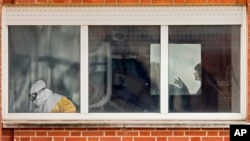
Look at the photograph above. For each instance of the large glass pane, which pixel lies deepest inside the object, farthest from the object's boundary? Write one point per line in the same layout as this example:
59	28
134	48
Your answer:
44	73
204	68
124	68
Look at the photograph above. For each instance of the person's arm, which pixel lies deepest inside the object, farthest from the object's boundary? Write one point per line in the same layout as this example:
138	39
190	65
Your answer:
64	106
182	85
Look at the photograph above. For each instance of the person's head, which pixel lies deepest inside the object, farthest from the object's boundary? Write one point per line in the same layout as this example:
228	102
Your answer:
38	93
197	73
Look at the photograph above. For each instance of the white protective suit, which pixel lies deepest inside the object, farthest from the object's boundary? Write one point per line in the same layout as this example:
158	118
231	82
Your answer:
46	101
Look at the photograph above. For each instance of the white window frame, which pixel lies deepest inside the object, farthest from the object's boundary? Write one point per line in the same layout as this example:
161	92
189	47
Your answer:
162	16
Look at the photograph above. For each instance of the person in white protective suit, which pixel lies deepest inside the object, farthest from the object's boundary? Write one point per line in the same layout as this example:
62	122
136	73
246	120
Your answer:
46	101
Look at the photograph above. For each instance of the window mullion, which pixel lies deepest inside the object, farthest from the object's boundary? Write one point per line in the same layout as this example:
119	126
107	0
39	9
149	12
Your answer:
164	70
84	69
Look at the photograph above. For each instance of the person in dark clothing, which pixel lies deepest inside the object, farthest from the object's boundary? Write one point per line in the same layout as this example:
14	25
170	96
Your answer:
206	98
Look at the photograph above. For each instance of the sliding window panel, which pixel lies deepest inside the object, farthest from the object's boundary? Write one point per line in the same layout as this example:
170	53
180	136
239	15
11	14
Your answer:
204	68
124	69
44	69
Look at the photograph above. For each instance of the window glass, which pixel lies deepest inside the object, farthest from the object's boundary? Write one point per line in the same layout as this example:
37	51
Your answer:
124	65
124	69
204	68
44	69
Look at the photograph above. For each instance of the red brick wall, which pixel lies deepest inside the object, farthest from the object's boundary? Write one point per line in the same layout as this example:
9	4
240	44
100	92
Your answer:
7	135
131	134
110	134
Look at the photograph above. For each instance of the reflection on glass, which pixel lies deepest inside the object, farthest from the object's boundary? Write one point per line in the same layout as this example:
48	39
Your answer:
120	71
209	55
182	59
44	69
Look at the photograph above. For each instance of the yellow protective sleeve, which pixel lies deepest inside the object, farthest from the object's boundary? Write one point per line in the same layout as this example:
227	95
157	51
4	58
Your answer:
64	106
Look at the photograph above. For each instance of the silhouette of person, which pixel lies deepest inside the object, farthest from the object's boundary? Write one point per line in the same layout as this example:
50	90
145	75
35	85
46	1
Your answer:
206	98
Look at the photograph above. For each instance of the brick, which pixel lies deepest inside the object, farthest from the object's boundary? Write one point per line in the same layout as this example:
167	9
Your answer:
59	1
41	133
195	133
195	139
212	133
93	1
58	138
42	1
25	139
24	1
25	133
213	1
7	132
8	1
179	1
226	139
110	133
92	133
227	1
110	139
75	139
178	133
145	1
93	139
75	133
162	133
224	133
178	139
144	133
162	1
196	1
127	138
4	138
41	139
76	1
128	1
127	133
111	1
58	133
161	139
144	139
212	138
241	1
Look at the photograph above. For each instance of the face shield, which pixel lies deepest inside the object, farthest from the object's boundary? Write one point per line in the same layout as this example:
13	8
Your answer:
36	89
33	96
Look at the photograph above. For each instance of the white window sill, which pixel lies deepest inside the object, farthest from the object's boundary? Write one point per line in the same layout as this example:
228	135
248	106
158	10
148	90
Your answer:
118	124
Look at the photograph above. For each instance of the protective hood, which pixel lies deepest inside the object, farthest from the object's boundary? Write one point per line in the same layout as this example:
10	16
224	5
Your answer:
42	97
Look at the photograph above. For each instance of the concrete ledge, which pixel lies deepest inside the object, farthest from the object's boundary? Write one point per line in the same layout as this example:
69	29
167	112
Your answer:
118	124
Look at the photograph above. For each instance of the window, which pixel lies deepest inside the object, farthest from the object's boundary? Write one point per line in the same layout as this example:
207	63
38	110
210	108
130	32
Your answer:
126	67
46	53
121	68
204	68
